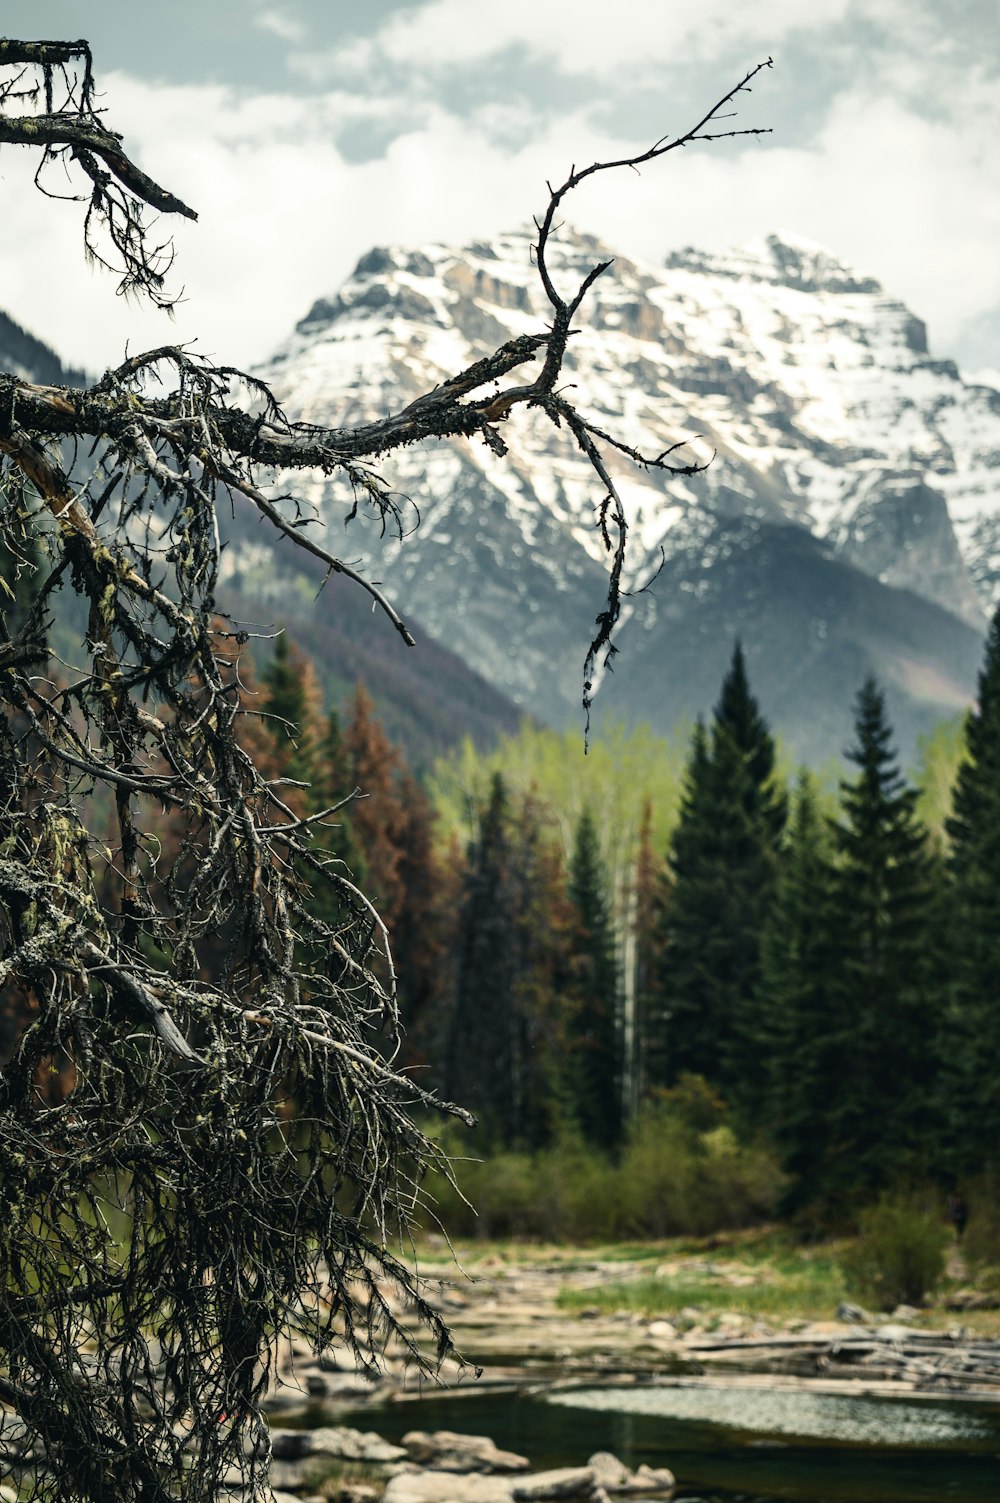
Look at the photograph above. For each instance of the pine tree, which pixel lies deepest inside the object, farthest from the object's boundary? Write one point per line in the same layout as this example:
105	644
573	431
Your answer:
420	932
293	706
334	785
645	889
594	1025
886	992
508	1040
723	871
478	1064
798	961
542	1098
974	1042
737	716
377	815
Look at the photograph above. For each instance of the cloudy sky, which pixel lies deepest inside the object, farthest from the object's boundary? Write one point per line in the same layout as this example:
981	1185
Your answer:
304	131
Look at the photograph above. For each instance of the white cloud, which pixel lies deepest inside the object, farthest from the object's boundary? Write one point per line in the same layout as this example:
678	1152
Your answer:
280	24
576	36
284	216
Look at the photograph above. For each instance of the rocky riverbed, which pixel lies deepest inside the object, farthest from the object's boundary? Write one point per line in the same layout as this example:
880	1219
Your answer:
516	1334
352	1466
512	1329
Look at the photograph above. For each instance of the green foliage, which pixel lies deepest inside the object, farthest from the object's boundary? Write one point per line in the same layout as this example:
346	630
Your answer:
901	1251
981	1242
287	706
593	1027
798	964
723	870
886	986
622	770
804	1284
676	1179
671	1179
505	1054
974	830
940	755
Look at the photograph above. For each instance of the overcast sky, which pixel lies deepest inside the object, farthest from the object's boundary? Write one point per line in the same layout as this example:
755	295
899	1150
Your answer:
305	131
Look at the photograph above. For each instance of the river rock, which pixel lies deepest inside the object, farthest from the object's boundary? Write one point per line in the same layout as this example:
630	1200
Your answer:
574	1484
662	1330
564	1482
616	1479
288	1446
446	1451
609	1471
852	1315
447	1487
656	1479
353	1445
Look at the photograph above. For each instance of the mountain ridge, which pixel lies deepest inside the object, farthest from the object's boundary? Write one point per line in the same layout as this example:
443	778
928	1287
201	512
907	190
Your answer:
811	390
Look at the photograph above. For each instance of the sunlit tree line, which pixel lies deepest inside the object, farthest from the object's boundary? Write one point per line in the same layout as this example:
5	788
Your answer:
574	939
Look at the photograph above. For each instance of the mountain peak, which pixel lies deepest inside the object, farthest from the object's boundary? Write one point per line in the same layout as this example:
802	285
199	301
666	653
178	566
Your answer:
784	260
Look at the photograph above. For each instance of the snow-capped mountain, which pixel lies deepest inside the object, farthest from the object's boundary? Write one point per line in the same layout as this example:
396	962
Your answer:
843	452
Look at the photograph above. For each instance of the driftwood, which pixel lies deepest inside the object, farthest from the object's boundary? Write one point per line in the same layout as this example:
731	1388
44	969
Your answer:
927	1359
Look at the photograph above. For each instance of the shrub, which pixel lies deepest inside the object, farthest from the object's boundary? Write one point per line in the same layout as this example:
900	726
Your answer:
672	1179
981	1243
900	1252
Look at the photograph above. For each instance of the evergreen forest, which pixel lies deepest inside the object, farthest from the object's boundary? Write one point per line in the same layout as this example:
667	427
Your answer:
682	986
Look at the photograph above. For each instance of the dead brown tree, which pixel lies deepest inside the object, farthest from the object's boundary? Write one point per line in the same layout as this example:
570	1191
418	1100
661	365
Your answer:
164	1221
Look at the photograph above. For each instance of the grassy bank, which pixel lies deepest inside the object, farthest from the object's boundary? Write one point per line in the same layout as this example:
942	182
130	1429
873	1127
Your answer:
759	1278
761	1275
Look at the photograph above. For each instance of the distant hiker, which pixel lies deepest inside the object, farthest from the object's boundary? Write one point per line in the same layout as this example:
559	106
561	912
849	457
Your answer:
958	1213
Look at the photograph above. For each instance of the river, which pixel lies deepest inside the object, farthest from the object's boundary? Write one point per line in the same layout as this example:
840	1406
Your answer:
726	1443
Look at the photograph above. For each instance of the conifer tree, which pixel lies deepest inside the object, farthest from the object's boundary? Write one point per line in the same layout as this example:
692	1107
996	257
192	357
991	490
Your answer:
885	1005
723	870
799	958
377	814
594	1024
479	1054
974	1077
292	705
737	715
508	1038
646	886
543	1105
335	785
420	933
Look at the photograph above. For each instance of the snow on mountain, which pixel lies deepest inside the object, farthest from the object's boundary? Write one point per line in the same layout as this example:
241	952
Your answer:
812	388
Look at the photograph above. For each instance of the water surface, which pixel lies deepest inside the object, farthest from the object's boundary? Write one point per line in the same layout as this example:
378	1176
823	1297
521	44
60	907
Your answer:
726	1443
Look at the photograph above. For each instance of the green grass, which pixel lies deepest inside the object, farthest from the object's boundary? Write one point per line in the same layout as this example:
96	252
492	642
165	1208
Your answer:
786	1285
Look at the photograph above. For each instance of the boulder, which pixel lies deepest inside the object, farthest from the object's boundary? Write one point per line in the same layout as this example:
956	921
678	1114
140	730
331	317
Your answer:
446	1451
659	1479
662	1330
564	1482
353	1445
447	1487
852	1315
614	1477
576	1484
332	1440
